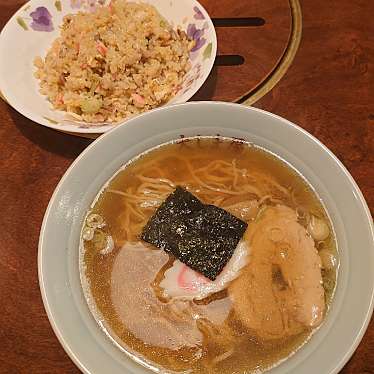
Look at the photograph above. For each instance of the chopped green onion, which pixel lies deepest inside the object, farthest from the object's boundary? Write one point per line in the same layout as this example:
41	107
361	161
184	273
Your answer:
91	105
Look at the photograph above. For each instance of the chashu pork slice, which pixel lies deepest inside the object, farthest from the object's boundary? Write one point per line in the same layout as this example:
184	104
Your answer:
279	293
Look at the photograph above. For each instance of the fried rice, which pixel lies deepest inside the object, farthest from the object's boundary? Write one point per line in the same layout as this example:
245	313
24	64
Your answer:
121	60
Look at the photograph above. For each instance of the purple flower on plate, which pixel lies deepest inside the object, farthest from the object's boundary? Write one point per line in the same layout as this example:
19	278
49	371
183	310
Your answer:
76	4
41	19
196	35
198	13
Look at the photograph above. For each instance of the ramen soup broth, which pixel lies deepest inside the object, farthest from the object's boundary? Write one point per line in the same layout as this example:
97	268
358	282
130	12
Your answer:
124	278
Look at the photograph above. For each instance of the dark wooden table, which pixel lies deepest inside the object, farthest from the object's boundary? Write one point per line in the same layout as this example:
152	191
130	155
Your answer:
328	90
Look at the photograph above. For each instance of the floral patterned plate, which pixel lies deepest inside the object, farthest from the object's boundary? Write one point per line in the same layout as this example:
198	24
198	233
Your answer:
32	29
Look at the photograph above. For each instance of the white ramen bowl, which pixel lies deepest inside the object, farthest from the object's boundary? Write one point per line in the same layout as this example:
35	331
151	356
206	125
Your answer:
32	29
92	351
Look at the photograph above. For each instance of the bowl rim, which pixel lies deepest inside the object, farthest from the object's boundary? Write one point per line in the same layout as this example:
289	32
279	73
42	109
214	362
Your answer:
363	205
101	129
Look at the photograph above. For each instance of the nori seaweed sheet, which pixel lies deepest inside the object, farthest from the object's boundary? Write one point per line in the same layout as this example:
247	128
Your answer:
201	236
